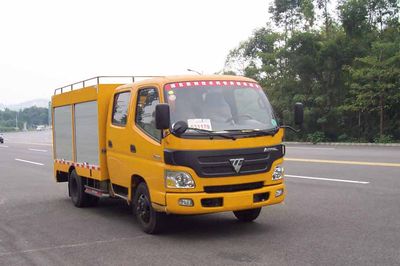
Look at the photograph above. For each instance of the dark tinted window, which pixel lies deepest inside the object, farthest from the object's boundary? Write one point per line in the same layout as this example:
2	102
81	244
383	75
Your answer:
145	111
120	108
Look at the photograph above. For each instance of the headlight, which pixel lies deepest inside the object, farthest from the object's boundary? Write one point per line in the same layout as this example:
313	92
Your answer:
278	193
278	173
174	179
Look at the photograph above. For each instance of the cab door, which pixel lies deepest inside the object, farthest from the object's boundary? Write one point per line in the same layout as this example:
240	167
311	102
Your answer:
134	144
119	139
148	145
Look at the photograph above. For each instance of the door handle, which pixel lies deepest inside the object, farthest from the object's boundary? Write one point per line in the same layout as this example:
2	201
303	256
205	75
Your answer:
110	145
133	148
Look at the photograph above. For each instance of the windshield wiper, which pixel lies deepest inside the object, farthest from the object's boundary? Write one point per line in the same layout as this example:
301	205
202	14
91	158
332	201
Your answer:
257	132
211	134
180	127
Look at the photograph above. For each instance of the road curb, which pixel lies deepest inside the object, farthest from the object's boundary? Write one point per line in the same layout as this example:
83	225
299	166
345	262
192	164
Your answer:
344	144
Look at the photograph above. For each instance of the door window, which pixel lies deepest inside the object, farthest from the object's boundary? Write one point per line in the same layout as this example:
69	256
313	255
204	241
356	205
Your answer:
120	108
145	112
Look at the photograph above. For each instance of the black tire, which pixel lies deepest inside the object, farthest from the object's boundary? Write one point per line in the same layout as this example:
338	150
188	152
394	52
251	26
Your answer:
77	192
247	216
150	221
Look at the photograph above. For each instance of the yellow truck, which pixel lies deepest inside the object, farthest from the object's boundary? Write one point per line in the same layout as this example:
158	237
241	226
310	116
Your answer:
170	145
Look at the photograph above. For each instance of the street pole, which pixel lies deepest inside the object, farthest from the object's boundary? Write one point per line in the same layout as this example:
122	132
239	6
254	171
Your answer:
195	71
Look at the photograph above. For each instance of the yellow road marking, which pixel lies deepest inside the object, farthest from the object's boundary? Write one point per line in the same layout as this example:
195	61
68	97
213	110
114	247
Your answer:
343	162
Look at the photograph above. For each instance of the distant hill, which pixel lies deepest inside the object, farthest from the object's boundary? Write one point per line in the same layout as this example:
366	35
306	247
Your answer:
22	105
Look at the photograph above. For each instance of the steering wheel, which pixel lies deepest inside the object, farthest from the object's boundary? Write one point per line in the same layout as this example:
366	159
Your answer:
241	115
246	115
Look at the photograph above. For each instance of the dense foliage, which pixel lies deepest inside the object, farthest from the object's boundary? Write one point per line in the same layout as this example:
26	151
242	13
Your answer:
343	64
32	116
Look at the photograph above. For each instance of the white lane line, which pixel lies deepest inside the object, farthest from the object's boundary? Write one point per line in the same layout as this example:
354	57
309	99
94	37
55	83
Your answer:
77	245
328	179
25	161
37	150
342	162
3	146
309	148
31	143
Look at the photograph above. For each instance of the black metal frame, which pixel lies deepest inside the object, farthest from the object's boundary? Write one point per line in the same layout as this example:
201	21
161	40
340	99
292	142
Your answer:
97	79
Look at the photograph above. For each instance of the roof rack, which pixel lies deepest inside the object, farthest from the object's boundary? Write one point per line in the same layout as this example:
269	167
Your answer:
96	81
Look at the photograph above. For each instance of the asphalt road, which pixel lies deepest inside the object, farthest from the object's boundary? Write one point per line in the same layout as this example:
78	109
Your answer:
342	208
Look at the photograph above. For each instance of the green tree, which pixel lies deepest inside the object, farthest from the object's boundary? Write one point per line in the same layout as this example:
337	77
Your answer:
374	82
345	72
323	5
32	116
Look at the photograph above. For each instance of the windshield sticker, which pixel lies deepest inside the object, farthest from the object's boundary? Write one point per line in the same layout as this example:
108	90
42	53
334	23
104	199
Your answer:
171	92
273	122
215	83
200	123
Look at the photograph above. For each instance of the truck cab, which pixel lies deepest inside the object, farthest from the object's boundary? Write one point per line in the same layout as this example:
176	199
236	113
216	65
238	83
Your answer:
172	145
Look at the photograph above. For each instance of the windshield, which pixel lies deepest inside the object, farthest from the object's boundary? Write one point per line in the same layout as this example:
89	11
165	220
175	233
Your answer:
220	105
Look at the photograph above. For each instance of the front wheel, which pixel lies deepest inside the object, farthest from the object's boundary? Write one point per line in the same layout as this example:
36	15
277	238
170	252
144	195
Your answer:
149	220
247	215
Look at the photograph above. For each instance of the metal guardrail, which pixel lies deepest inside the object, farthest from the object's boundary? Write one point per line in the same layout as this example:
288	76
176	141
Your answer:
97	82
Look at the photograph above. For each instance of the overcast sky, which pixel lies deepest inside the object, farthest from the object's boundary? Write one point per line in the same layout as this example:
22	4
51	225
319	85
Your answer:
47	44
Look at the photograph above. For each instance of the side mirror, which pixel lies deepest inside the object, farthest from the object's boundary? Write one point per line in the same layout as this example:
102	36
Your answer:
179	128
298	114
162	116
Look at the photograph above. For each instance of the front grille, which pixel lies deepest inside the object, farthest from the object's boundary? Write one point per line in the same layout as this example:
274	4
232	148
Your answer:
217	163
233	188
220	165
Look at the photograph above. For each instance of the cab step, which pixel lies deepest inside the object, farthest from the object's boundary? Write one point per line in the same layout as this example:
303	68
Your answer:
97	192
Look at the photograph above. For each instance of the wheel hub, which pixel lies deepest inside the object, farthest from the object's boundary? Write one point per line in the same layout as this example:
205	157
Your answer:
143	208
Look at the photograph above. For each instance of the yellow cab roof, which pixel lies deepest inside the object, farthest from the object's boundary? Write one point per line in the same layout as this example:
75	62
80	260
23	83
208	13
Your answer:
161	81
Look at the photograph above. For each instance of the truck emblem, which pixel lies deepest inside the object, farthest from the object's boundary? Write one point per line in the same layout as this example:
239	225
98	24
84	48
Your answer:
270	149
237	163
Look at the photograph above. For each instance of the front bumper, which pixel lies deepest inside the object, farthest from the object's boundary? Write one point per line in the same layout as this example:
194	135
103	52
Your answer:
231	201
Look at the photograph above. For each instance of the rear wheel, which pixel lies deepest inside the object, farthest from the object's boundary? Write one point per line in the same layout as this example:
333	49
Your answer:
77	192
247	215
149	219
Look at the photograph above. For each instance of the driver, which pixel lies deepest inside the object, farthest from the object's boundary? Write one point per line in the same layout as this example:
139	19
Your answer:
216	108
